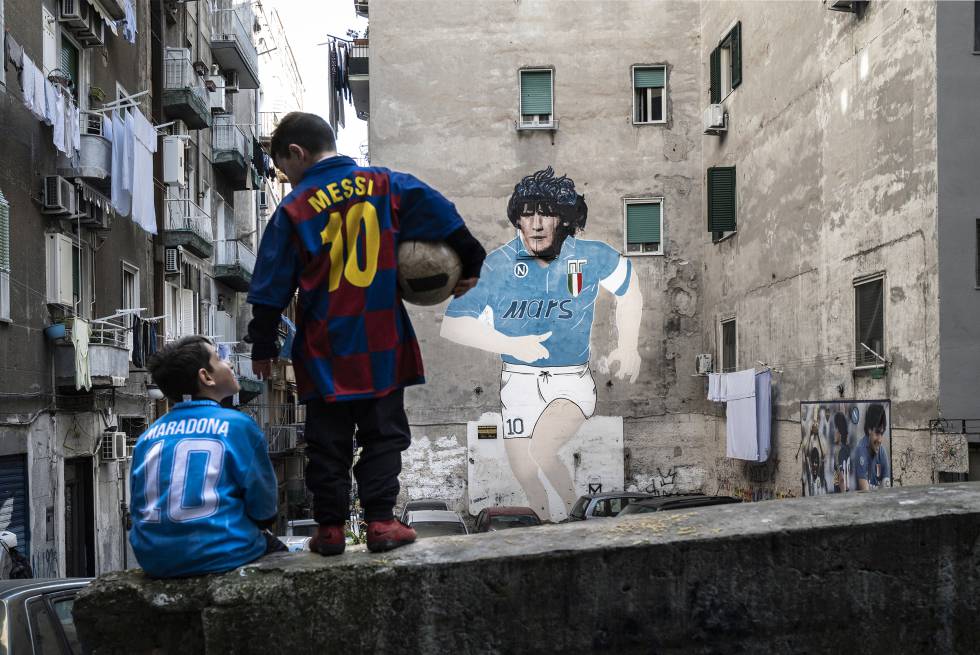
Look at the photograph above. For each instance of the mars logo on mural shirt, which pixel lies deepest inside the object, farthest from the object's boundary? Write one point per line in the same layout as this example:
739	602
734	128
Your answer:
575	276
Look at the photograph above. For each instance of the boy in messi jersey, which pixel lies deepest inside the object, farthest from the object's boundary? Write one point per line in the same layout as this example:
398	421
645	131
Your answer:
202	488
534	306
335	237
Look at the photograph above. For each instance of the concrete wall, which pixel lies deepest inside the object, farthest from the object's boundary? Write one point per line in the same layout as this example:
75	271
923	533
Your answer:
959	199
833	133
446	112
895	570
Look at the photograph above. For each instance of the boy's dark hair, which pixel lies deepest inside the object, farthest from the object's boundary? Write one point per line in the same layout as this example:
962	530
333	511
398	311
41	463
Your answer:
558	192
875	418
174	367
307	130
840	422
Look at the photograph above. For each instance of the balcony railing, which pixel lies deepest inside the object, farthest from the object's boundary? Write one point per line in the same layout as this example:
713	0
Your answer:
231	43
184	94
268	122
190	226
231	150
282	424
235	253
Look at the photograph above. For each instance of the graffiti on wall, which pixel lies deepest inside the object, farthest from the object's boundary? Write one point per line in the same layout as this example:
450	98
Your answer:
750	481
952	453
845	446
534	306
671	480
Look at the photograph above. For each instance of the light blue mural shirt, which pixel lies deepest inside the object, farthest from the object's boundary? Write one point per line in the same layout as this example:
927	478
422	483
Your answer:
518	296
868	466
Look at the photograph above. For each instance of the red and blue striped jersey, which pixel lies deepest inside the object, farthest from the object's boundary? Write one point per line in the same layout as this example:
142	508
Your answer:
335	237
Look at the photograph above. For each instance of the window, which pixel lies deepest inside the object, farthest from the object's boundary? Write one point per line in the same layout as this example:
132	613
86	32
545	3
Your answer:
649	94
644	226
44	631
130	296
976	27
537	102
49	47
978	251
62	606
69	62
869	324
69	273
4	253
171	305
729	346
3	75
726	65
721	201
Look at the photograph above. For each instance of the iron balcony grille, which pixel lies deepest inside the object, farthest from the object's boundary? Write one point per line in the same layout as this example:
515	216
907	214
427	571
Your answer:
229	137
185	215
229	25
235	253
179	74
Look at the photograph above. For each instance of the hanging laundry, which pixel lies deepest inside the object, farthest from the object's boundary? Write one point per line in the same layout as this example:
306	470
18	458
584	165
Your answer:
27	83
742	438
80	339
40	107
57	115
138	336
13	55
129	27
286	352
52	96
107	128
151	338
73	127
144	145
763	410
121	194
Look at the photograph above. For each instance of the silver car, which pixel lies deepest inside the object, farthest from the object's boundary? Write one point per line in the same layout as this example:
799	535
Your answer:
436	523
37	615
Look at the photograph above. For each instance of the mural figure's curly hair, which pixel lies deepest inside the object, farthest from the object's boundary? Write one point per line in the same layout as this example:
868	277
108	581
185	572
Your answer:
543	186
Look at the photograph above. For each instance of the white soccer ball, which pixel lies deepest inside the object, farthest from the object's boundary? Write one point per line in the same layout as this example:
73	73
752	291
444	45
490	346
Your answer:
427	271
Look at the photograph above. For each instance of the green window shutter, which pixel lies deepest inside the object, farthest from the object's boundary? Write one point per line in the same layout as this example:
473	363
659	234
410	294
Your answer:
721	199
535	92
4	234
69	61
649	78
736	42
715	74
643	222
870	322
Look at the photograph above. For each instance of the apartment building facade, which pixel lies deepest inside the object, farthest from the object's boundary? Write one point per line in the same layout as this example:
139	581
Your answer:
785	179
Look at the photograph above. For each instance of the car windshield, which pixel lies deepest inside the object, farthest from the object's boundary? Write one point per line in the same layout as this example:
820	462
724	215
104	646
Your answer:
438	528
304	530
504	521
578	511
636	508
419	505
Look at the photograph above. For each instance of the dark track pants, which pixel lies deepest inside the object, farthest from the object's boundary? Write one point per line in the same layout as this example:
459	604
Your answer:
382	434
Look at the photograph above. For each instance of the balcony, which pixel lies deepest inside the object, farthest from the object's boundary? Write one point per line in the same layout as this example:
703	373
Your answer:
268	122
282	424
361	8
94	162
108	355
231	44
184	94
189	226
251	385
233	264
231	151
359	82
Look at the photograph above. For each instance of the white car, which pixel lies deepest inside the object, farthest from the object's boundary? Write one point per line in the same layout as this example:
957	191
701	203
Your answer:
436	523
298	533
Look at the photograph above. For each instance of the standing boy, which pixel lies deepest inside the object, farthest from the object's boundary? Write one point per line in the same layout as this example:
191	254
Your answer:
203	488
335	238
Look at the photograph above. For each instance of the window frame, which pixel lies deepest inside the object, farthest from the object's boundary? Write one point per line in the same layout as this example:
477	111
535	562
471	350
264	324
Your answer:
718	237
730	319
521	124
859	282
84	65
976	283
634	200
727	81
5	254
663	97
131	269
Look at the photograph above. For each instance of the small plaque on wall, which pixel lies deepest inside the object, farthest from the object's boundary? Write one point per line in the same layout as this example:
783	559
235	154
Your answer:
486	431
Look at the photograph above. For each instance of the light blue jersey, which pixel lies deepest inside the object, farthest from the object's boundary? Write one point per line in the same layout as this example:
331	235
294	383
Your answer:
521	297
201	479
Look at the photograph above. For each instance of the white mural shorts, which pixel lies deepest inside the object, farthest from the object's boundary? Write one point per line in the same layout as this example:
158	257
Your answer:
525	392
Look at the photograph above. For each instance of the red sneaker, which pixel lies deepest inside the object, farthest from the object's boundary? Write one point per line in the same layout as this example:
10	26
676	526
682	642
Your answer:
328	540
385	535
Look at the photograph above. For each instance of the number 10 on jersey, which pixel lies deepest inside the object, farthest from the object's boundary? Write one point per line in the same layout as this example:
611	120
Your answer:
359	215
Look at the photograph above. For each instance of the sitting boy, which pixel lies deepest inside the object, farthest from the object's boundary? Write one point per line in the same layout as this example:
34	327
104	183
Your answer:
203	487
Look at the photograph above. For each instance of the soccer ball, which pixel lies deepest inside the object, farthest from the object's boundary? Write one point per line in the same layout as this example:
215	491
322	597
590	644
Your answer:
427	271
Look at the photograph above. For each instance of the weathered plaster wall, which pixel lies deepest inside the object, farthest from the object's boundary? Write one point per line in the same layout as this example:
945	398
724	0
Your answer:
958	91
833	133
446	112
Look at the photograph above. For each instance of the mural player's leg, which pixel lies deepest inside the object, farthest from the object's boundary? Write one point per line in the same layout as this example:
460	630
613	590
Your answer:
526	471
558	423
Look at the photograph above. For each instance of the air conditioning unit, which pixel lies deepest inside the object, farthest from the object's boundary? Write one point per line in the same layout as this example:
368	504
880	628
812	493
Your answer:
703	363
231	81
173	161
217	96
113	446
263	199
172	258
59	251
74	14
93	35
715	119
59	196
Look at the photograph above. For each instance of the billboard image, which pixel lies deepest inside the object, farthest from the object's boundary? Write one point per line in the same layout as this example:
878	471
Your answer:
845	445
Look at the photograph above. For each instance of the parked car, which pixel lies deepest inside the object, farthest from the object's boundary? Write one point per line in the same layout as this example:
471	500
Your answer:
491	519
423	504
604	505
36	615
436	523
664	503
298	533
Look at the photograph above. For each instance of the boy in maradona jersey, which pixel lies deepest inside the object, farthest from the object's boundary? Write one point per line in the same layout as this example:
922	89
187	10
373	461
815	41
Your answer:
203	487
534	305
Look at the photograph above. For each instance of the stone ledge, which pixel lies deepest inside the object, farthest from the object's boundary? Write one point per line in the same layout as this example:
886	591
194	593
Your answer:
898	570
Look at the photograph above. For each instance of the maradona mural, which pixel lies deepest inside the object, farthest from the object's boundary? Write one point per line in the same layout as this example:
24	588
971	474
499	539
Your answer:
534	306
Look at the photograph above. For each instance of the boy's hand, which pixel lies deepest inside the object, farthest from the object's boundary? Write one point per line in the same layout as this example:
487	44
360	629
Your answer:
262	368
464	285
